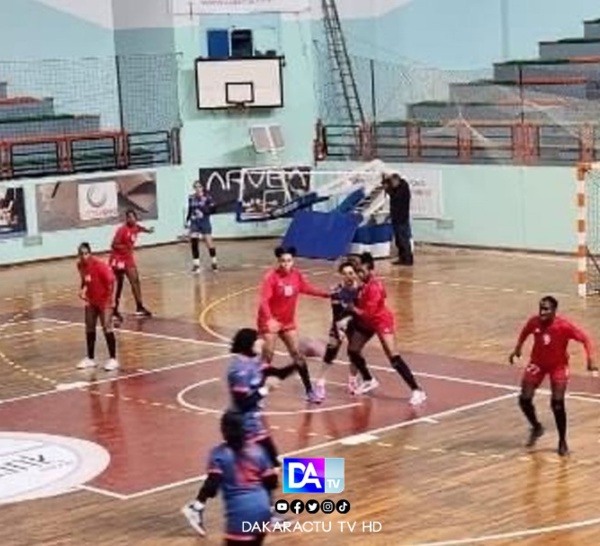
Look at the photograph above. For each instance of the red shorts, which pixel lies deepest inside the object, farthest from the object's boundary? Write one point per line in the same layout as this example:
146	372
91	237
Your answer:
263	329
382	325
122	263
534	374
100	306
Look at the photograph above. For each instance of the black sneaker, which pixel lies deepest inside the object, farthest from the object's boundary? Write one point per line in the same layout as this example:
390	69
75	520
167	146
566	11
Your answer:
535	434
563	449
143	312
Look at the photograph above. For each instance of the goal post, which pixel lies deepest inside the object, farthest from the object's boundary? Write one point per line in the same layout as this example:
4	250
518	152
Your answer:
588	228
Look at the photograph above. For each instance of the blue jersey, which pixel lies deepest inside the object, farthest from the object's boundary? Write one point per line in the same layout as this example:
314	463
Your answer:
342	296
199	211
200	207
245	378
245	497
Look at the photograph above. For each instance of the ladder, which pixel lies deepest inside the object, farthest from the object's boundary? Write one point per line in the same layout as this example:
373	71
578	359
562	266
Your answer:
341	65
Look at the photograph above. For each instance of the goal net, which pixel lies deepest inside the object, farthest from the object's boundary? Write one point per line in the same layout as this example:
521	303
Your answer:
588	228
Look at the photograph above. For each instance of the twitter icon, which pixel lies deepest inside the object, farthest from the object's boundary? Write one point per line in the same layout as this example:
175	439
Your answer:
312	506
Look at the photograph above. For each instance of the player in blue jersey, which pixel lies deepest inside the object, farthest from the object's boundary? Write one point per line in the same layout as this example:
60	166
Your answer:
245	476
200	208
343	297
247	379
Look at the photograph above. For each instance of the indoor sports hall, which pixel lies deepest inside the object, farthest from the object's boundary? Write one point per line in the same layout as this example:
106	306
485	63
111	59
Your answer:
291	117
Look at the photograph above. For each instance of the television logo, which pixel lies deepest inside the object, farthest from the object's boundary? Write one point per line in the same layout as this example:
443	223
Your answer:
313	475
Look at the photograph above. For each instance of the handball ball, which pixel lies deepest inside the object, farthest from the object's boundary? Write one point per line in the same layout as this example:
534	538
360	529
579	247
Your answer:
311	348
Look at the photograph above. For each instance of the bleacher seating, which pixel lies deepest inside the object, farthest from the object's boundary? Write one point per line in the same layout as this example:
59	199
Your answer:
562	84
35	140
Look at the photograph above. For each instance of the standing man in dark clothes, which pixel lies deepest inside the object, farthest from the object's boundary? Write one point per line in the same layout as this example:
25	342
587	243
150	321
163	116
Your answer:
398	191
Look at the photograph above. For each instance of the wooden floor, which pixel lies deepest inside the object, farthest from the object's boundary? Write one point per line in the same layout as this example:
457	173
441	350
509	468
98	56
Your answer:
453	473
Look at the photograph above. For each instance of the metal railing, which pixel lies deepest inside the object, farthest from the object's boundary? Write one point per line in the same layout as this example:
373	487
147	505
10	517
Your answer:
50	155
461	142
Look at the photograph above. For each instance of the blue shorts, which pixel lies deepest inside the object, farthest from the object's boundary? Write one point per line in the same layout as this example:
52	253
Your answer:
254	426
202	226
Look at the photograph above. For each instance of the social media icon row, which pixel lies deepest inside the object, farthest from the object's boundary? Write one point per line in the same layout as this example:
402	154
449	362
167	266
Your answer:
312	506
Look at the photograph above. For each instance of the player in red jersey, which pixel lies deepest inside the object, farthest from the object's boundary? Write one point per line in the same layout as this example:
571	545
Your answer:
372	317
122	261
97	285
551	336
279	294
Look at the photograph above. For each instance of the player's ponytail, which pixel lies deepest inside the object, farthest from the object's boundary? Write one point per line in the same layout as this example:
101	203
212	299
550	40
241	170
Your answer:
366	258
232	428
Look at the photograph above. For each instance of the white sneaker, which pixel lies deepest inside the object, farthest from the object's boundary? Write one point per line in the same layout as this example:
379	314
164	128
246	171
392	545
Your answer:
195	518
367	386
111	365
353	386
86	363
417	398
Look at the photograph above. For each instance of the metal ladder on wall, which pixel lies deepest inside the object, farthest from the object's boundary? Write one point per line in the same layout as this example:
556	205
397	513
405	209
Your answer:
343	75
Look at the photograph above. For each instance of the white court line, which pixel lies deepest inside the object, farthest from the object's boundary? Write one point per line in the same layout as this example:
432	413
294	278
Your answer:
103	492
387	369
16	322
324	445
153	335
34	332
515	534
183	402
119	378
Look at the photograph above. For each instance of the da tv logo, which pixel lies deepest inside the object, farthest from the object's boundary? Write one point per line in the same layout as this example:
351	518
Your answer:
313	475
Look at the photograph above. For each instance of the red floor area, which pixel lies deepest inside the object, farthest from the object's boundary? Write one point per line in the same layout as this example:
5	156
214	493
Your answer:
154	442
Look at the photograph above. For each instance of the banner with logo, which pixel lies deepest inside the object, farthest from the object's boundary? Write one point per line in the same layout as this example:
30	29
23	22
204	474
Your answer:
13	222
426	192
223	184
230	7
77	203
226	187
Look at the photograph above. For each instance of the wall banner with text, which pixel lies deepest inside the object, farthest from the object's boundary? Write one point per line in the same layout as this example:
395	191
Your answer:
95	201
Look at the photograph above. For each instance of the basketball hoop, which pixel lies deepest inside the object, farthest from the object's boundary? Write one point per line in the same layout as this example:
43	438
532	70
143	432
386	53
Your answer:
239	108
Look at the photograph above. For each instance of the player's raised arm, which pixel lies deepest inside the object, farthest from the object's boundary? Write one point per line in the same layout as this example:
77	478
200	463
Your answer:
306	288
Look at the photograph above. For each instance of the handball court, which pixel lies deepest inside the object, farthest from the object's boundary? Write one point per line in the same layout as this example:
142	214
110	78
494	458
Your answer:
452	472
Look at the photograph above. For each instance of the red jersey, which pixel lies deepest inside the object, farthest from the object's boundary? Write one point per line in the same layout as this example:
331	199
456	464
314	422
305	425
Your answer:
98	280
279	294
124	241
550	341
371	309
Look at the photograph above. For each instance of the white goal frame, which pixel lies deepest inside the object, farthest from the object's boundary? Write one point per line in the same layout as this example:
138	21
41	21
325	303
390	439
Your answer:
583	228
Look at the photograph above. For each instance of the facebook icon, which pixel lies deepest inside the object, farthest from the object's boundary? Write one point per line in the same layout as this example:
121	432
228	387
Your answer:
313	475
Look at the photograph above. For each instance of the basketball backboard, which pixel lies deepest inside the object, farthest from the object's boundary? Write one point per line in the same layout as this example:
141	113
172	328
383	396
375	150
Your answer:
255	82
